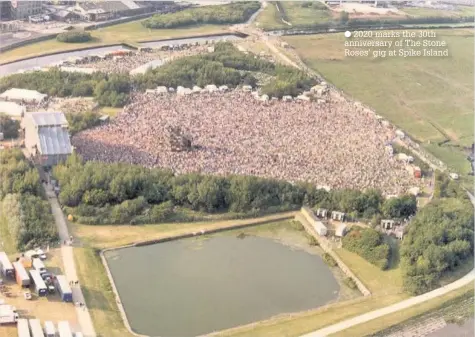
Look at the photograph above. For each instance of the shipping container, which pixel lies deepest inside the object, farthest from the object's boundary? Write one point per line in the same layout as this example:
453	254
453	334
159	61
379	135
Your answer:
78	334
63	288
64	330
6	266
38	283
35	327
21	275
39	265
23	328
8	314
50	331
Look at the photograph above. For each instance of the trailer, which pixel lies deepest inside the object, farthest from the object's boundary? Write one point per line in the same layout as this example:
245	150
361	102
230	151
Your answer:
6	266
50	331
64	330
39	265
39	284
78	334
23	328
35	327
21	274
63	288
8	314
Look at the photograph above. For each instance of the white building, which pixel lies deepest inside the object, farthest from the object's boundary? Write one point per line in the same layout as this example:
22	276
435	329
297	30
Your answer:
23	95
12	109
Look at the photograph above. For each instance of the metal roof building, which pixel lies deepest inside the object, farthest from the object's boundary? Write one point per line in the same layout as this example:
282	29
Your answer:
47	138
23	95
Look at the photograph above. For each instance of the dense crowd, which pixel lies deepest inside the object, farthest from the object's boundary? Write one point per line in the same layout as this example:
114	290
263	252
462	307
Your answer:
333	144
124	64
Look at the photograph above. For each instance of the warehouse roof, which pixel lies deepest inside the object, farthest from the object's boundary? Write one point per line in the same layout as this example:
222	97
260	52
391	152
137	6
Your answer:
54	140
48	119
23	94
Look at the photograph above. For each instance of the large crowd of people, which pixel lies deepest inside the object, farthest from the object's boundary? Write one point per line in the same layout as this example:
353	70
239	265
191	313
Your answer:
333	144
124	64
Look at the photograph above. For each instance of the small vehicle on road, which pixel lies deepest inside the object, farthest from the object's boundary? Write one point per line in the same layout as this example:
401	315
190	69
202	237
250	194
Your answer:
27	295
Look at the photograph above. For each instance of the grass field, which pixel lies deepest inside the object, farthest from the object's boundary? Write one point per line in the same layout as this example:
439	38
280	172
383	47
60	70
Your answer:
404	315
269	18
460	11
130	32
300	15
430	98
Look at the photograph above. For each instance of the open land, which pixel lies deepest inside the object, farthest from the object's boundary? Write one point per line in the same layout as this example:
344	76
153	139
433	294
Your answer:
226	141
458	12
130	32
415	95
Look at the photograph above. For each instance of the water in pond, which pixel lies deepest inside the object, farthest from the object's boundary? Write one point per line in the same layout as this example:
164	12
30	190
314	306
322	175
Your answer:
195	286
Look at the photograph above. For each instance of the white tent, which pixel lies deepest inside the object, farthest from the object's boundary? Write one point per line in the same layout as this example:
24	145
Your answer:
22	95
12	109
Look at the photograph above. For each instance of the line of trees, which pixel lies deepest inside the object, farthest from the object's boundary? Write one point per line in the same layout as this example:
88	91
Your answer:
225	66
29	219
369	244
108	89
74	37
232	13
122	193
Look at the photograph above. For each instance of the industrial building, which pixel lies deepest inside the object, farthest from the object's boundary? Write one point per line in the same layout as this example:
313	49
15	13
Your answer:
47	137
20	9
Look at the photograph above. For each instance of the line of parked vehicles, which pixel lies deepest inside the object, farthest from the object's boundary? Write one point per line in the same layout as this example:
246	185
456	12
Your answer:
33	328
30	272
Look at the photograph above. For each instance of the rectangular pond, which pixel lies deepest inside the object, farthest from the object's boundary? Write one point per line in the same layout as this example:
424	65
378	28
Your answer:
195	286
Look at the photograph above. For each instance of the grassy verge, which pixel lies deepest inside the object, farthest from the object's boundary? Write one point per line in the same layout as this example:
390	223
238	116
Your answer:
110	111
302	14
269	18
404	315
98	294
130	32
459	12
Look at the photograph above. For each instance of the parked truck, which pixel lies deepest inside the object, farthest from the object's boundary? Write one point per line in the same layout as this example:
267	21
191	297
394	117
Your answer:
64	289
38	283
64	329
36	329
8	314
50	330
6	266
23	328
21	275
39	266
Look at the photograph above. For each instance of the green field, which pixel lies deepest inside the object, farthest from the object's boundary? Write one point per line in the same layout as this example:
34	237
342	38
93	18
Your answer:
431	98
460	11
130	32
299	13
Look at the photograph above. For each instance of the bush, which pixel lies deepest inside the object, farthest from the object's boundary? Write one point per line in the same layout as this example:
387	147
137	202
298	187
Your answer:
369	244
236	12
440	238
311	240
350	283
9	127
329	260
74	37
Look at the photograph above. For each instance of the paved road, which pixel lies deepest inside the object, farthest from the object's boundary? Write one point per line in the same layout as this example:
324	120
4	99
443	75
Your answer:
67	253
469	278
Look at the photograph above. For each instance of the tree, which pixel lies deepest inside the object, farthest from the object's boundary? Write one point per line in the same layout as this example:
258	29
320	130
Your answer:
9	127
344	17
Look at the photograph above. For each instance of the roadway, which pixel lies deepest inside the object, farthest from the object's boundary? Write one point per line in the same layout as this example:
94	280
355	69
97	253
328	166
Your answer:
67	254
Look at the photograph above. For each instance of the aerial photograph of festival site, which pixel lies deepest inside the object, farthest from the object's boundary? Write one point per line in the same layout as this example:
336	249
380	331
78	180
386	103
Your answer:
237	168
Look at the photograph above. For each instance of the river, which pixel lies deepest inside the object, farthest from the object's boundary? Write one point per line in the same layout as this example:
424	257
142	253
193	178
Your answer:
195	286
42	61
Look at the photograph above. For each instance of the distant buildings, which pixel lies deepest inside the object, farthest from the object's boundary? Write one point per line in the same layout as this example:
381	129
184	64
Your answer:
22	9
106	10
23	96
47	137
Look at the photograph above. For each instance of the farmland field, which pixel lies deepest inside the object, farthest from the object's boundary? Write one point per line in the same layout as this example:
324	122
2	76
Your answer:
431	98
460	11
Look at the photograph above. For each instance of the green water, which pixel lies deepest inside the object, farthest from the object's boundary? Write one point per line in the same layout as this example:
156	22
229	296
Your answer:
194	286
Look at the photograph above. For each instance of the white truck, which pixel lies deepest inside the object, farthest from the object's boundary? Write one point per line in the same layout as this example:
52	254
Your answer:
8	314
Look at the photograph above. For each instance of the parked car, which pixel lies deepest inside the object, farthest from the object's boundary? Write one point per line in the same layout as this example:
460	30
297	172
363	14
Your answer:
27	295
